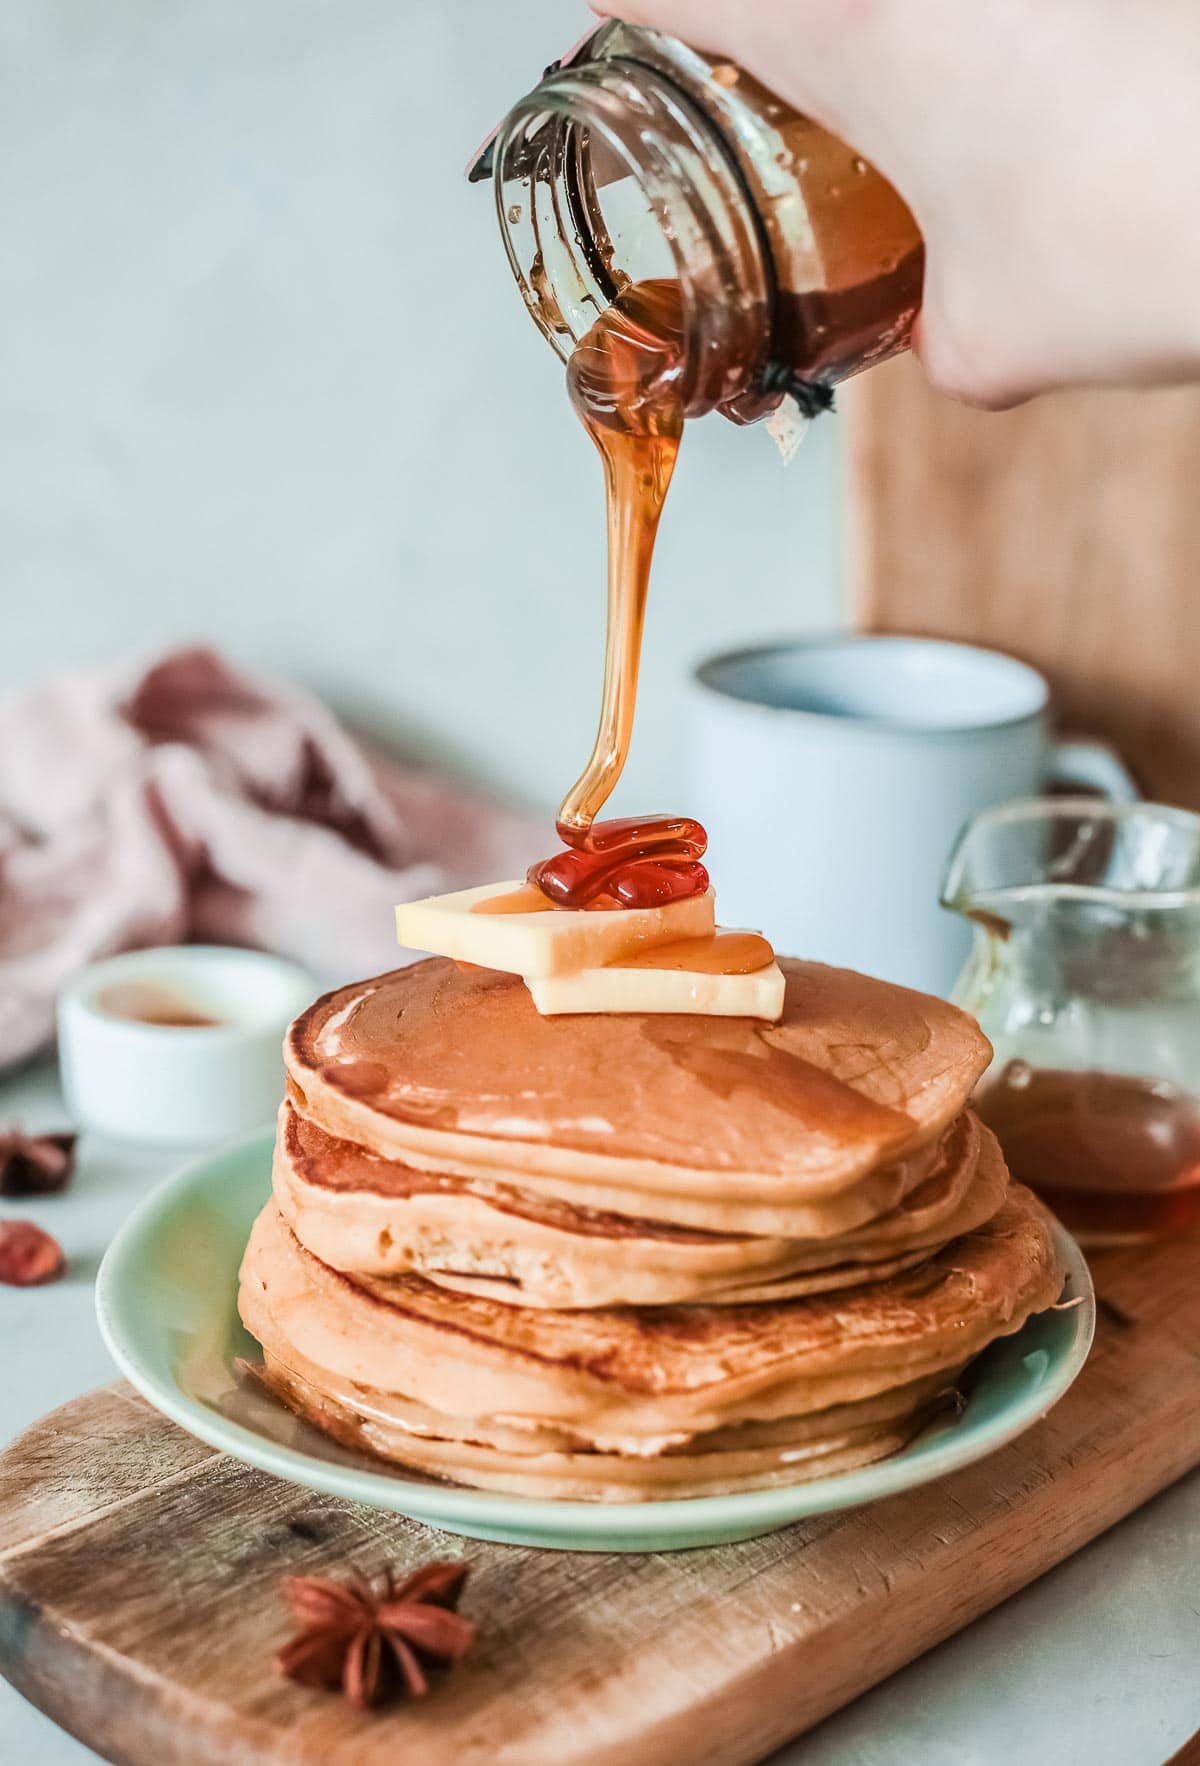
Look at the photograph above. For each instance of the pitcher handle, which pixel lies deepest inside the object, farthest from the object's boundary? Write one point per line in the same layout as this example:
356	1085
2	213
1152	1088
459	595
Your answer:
1096	767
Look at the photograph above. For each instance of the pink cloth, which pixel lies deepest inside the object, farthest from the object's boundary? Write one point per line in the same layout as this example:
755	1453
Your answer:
189	802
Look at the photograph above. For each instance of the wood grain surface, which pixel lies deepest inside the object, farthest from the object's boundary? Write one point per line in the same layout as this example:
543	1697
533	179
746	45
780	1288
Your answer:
139	1583
1067	532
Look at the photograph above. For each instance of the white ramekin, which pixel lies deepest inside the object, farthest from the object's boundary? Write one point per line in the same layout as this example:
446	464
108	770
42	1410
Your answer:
181	1084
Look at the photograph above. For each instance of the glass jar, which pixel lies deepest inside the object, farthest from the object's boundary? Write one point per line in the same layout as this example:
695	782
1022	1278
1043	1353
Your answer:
1086	977
637	158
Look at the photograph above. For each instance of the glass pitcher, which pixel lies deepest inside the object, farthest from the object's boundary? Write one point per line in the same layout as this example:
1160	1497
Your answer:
1085	974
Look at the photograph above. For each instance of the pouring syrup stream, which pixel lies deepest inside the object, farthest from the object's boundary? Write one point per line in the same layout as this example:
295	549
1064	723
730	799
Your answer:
625	381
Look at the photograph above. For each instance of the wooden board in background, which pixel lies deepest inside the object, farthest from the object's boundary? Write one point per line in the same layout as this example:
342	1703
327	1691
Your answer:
139	1584
1067	532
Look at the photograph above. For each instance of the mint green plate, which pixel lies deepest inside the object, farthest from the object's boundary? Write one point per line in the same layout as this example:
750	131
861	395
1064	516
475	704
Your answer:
166	1299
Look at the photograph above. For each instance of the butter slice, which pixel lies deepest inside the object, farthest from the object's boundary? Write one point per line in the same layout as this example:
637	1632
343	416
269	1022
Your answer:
558	942
757	995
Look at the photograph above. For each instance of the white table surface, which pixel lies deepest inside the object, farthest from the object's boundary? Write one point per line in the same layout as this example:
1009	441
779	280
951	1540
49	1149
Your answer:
1098	1664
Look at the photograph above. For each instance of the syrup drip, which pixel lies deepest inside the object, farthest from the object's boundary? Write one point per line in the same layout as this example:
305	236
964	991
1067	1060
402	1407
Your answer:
721	953
528	899
639	862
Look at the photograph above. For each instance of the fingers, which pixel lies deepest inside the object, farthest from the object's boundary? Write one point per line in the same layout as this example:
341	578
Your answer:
749	31
696	21
834	59
965	373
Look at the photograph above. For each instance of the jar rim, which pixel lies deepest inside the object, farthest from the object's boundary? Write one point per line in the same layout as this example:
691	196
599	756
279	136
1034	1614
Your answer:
689	180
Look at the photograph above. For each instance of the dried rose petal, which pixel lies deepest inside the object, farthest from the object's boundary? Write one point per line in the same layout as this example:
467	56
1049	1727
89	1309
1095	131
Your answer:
28	1256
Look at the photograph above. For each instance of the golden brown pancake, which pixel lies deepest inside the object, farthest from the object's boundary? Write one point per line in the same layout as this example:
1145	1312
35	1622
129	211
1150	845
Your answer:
729	1460
363	1214
620	1256
633	1385
724	1124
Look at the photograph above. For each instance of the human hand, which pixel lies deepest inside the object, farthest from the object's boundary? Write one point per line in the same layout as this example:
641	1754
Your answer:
1047	148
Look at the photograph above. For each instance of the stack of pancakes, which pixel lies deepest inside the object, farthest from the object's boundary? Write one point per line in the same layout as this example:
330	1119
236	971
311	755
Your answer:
627	1256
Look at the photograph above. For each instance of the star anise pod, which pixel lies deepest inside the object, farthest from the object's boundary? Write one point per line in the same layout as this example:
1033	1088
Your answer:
35	1164
372	1638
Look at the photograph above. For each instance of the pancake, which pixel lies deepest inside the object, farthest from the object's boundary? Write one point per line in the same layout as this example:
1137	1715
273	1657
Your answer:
386	1412
710	1207
363	1214
726	1124
634	1385
620	1256
731	1459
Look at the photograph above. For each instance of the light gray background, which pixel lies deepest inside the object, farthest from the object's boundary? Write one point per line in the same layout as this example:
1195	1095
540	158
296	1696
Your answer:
265	378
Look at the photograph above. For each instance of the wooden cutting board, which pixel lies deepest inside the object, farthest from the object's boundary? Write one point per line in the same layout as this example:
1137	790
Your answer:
139	1583
1067	532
